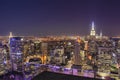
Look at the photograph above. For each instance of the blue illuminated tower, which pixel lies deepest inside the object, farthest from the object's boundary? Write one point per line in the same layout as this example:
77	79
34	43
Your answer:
16	53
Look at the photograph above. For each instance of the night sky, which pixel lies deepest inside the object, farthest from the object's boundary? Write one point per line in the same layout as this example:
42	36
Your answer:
58	17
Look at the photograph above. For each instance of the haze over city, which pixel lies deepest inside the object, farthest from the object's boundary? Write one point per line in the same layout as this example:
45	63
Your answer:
51	17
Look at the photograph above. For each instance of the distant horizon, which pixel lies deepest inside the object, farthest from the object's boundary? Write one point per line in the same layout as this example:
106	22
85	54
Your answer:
43	35
58	17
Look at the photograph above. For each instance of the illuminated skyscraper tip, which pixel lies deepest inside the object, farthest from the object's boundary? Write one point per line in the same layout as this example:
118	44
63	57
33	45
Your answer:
101	33
10	35
92	32
93	25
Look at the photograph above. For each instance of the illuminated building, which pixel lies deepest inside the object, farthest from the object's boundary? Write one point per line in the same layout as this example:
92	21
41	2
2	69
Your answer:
101	34
93	32
60	51
86	45
104	59
11	35
77	57
16	52
44	47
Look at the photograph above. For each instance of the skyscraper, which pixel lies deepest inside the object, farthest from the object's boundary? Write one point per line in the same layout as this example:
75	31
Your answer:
16	53
93	32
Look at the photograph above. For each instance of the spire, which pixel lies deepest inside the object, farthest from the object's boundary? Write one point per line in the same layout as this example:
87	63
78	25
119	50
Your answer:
93	25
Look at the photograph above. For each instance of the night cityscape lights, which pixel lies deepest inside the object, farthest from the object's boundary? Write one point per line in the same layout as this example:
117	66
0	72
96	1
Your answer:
94	56
59	39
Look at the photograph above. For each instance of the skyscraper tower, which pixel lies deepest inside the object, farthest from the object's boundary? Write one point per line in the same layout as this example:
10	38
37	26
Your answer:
92	32
16	53
101	34
10	35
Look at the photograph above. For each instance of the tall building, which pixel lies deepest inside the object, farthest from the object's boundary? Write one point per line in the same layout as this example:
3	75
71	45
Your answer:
77	57
10	34
44	47
105	59
16	53
101	34
93	32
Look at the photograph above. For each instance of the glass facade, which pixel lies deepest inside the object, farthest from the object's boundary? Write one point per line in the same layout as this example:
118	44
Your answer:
16	53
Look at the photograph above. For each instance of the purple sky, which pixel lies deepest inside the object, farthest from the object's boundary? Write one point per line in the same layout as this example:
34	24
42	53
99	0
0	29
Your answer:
57	17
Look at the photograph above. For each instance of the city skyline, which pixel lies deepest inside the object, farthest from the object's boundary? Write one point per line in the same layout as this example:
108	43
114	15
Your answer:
59	17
